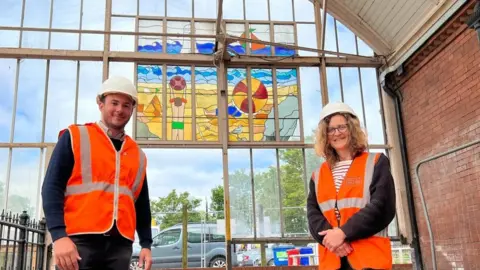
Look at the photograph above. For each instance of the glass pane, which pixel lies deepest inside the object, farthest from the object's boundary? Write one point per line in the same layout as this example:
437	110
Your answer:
306	37
288	111
201	172
152	8
333	85
313	162
293	192
304	11
64	41
204	46
93	15
35	40
37	13
373	111
177	45
66	14
363	48
150	43
284	34
61	97
4	152
346	39
92	42
124	7
9	39
179	106
238	125
30	99
351	91
179	8
8	70
233	9
90	80
237	30
122	42
281	10
10	13
127	70
240	188
206	104
257	10
259	32
23	186
311	100
331	35
205	9
267	198
150	99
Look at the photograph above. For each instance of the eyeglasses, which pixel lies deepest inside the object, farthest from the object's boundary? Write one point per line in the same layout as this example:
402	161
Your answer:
340	128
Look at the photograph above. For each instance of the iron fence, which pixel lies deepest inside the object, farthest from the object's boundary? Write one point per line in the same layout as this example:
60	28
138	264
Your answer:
22	242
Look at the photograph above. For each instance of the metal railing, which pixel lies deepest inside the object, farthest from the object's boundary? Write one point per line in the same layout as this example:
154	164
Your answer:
22	242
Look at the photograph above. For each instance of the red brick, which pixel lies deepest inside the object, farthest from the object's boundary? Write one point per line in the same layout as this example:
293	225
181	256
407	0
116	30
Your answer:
441	109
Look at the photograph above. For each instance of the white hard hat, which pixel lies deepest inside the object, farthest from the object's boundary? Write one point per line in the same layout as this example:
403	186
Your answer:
336	107
119	85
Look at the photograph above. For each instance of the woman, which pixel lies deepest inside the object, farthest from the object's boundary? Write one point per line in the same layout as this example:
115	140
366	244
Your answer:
352	196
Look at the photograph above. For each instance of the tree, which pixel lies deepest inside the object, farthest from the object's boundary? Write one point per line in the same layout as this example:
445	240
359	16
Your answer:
168	210
217	203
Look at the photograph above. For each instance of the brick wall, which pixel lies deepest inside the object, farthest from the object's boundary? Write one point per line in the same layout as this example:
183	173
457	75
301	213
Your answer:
441	110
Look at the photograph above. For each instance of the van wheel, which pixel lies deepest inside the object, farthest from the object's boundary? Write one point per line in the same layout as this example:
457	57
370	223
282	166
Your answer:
218	262
134	264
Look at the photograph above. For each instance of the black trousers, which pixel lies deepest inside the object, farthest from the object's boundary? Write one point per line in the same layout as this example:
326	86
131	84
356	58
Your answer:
101	252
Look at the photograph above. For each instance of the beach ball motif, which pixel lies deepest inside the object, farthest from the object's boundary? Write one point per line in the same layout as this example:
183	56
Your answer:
178	83
259	95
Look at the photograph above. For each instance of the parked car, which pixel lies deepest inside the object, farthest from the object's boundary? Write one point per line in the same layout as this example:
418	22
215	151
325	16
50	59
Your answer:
203	242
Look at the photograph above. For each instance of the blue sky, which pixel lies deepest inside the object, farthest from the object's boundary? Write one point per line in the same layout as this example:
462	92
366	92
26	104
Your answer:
197	170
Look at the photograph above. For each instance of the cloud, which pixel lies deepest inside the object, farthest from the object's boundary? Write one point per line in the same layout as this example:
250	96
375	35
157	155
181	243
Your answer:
192	170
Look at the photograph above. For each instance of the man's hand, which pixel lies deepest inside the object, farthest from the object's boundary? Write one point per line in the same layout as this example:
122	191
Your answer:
343	250
333	238
66	254
145	256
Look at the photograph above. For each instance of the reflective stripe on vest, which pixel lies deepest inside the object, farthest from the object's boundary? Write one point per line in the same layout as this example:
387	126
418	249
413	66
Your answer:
353	202
86	168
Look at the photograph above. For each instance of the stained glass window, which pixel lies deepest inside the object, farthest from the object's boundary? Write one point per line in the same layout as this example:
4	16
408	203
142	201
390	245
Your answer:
238	123
287	98
152	44
284	34
177	45
204	46
149	122
179	103
263	113
206	104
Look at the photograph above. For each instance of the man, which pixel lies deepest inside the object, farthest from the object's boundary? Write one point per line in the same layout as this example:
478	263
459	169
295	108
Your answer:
95	192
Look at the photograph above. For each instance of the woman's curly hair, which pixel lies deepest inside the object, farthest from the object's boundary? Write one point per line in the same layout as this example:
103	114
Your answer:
357	140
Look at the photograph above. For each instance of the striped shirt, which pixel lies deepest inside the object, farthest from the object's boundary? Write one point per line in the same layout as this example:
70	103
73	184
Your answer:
339	171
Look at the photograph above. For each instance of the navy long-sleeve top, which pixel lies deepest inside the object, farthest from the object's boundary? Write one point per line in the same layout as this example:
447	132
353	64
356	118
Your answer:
53	193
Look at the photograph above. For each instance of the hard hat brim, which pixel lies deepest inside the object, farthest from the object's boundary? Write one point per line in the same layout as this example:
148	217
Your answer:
109	92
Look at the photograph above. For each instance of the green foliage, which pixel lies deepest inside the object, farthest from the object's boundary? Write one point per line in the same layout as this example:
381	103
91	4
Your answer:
169	209
217	204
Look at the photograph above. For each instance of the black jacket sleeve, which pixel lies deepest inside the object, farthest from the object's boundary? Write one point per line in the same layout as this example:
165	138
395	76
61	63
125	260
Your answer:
380	211
316	220
53	188
144	217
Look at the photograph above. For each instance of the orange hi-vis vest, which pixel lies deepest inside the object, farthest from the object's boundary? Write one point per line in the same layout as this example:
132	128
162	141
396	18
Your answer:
104	184
354	194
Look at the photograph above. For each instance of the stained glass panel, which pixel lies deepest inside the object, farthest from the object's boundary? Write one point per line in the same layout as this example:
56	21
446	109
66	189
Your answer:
261	85
238	126
150	99
206	104
259	32
177	45
179	103
284	34
237	30
203	45
150	43
287	98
